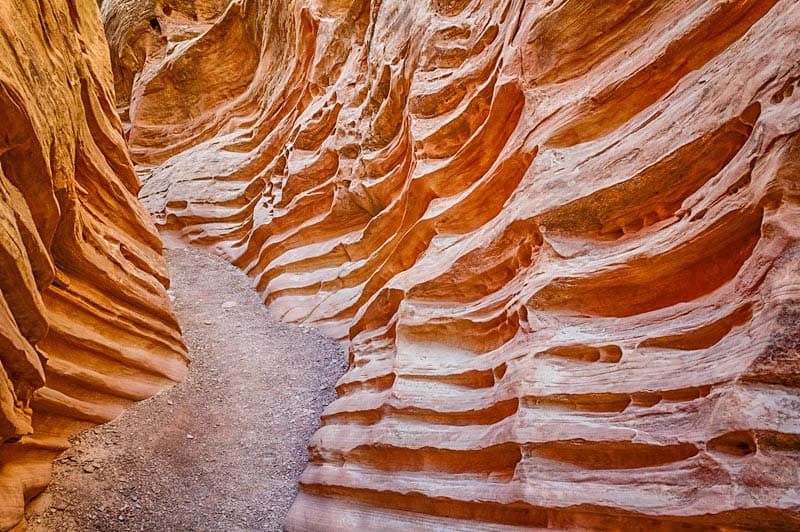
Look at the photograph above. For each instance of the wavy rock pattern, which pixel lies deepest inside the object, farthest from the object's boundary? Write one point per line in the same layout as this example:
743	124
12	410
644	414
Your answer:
85	322
559	237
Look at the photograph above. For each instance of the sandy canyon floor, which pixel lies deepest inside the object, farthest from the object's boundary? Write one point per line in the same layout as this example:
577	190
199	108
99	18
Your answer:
224	449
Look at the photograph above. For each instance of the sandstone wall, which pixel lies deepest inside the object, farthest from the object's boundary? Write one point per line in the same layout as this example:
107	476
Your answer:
560	238
85	322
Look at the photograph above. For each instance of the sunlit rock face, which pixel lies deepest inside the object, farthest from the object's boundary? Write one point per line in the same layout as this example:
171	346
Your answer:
85	322
559	237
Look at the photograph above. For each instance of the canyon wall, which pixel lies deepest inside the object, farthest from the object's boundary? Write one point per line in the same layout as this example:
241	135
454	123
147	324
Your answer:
560	239
85	321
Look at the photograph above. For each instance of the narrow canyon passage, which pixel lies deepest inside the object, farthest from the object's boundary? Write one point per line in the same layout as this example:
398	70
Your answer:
560	240
222	450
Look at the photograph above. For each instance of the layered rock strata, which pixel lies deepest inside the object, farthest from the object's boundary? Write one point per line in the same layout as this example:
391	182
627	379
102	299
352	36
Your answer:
85	321
559	237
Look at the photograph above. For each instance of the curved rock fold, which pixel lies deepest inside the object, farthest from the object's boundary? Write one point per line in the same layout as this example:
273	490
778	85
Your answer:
560	239
86	326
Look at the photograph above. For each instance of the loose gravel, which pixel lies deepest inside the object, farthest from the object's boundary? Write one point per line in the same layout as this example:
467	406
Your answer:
222	450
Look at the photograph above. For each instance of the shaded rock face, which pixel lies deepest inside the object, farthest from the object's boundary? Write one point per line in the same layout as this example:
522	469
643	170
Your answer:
559	237
85	321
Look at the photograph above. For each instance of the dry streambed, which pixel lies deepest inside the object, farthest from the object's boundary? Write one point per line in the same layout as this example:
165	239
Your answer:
222	450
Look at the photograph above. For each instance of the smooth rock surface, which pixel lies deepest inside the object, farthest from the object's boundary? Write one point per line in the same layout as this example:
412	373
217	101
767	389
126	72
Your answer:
559	237
86	326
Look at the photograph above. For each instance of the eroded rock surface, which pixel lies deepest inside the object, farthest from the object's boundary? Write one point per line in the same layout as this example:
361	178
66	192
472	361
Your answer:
559	237
85	322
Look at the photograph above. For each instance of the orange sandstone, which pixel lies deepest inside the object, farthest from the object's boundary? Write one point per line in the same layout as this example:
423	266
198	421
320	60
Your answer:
85	321
559	237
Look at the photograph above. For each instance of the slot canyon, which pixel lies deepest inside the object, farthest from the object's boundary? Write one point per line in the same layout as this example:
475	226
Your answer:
558	242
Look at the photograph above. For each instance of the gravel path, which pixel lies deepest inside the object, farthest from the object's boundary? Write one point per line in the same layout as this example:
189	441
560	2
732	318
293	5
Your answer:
222	450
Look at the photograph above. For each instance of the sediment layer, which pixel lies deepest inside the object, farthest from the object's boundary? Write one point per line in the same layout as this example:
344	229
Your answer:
86	326
560	239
